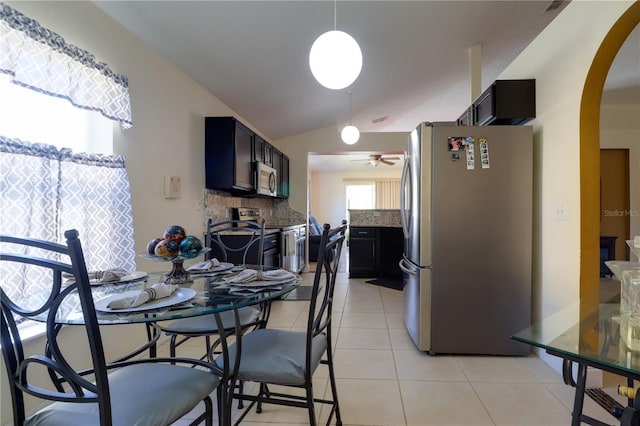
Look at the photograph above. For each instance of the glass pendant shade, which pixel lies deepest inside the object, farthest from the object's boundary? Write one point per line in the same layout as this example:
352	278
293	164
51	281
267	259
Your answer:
335	59
350	134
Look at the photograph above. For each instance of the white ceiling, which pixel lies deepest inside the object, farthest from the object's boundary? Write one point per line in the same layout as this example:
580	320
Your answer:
253	56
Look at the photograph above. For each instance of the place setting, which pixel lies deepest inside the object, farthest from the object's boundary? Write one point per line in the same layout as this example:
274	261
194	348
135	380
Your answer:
108	276
250	281
210	268
157	296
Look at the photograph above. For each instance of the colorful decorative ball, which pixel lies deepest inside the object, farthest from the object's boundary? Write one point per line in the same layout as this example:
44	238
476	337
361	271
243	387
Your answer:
190	247
151	247
167	248
175	232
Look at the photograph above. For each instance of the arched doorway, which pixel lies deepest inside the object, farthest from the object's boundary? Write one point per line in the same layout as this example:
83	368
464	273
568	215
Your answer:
590	154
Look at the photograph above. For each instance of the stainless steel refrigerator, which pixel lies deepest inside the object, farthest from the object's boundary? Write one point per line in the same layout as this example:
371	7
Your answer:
466	205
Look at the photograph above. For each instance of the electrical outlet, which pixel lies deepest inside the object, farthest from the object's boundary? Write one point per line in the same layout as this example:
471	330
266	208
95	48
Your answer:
560	212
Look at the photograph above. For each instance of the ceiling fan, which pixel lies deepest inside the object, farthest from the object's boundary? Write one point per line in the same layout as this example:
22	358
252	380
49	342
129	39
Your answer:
375	159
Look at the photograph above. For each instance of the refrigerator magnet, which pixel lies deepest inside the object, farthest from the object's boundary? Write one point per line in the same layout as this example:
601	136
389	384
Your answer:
455	143
484	153
470	151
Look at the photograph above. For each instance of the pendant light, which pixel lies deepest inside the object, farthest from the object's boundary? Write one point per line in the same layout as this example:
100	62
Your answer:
350	133
335	58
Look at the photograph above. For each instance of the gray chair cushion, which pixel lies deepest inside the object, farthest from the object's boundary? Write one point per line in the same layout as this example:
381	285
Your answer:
207	323
142	394
276	356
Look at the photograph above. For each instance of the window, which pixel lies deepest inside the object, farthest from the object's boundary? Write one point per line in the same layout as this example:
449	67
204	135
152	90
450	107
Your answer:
32	116
360	196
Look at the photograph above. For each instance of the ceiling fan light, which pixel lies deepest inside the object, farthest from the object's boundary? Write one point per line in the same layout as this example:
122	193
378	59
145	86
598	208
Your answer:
350	134
335	59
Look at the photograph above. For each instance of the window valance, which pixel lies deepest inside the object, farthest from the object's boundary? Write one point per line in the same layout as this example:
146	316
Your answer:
40	59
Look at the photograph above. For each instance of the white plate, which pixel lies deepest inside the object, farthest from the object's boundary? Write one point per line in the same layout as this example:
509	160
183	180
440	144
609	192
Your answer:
131	276
224	266
179	296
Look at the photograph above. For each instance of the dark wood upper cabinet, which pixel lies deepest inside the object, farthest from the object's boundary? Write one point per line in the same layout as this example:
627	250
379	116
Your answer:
505	102
228	155
231	148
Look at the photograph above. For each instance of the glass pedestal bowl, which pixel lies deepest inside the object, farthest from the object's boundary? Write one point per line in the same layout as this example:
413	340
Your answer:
177	274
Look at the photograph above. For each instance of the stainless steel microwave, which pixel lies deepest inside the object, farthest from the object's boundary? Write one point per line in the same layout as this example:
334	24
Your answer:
266	179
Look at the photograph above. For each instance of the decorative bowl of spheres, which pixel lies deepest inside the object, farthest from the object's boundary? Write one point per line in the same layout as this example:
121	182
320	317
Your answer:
175	246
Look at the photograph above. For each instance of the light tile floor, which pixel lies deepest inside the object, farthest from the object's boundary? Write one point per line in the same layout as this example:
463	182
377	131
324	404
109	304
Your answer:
383	380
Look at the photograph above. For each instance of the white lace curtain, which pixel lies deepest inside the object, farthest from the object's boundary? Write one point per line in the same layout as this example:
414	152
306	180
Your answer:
40	59
45	191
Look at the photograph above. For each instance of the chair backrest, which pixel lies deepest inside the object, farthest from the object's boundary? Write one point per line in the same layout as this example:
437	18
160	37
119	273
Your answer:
236	241
55	259
324	281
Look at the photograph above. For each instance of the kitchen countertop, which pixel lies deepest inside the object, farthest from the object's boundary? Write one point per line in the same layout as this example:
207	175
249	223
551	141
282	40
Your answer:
375	218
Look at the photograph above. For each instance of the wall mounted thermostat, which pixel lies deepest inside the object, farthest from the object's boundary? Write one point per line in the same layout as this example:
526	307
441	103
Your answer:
171	187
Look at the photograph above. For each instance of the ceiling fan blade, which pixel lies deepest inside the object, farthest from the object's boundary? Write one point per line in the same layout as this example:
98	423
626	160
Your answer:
388	163
392	158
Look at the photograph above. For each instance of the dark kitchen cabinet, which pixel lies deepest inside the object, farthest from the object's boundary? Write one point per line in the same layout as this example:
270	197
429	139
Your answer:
231	149
391	248
375	252
280	162
506	102
284	179
363	259
229	154
263	151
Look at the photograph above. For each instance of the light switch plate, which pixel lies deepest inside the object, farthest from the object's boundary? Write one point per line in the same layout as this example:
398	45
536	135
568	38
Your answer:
172	187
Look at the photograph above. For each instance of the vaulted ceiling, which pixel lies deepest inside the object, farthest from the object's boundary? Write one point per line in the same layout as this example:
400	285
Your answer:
253	56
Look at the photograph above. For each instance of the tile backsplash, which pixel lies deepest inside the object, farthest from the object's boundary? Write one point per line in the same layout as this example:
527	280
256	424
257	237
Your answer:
276	212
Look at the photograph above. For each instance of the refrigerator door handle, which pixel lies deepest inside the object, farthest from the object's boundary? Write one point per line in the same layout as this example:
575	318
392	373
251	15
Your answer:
410	267
403	208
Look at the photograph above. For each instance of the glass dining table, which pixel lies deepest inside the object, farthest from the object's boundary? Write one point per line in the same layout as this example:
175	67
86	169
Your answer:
586	335
204	294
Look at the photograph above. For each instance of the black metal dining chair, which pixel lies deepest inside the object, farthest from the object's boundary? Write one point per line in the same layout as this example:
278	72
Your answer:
246	250
289	358
155	391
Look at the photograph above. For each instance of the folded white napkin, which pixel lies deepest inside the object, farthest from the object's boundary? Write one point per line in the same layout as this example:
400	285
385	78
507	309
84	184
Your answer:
204	266
106	276
156	291
249	275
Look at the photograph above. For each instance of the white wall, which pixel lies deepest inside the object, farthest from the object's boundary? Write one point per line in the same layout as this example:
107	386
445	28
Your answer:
559	59
327	192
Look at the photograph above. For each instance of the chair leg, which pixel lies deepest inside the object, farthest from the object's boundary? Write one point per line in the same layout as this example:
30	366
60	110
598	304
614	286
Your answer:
241	392
310	404
334	389
264	391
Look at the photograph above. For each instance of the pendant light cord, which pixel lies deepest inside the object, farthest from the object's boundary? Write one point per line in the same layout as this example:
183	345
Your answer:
350	116
335	15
